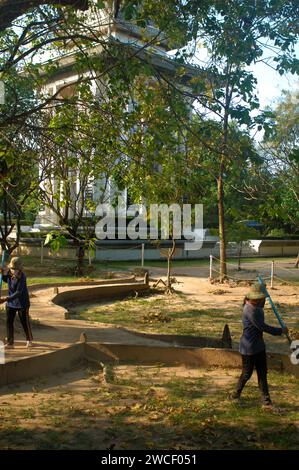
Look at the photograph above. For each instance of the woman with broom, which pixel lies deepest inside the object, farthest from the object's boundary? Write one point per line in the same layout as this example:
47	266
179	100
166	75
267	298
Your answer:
17	301
252	346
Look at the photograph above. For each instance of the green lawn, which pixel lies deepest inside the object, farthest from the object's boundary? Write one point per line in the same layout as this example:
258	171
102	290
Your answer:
50	280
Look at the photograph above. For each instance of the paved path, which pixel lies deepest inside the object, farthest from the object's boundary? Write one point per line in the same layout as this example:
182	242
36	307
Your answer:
52	331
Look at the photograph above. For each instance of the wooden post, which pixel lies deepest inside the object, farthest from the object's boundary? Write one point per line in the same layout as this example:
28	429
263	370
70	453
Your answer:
272	274
42	252
211	267
142	255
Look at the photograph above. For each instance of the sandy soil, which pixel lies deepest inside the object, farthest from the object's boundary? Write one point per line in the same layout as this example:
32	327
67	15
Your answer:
146	407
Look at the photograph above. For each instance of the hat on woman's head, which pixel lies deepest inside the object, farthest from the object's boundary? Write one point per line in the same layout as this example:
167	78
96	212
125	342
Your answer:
255	293
16	263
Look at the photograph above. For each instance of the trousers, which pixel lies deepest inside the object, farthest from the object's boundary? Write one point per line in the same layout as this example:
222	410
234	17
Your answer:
259	362
24	319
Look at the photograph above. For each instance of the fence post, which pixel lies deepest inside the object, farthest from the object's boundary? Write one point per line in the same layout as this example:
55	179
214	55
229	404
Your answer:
211	267
272	274
42	252
142	255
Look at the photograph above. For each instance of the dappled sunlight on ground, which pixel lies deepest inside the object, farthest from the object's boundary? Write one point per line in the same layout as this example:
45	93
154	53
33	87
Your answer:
147	407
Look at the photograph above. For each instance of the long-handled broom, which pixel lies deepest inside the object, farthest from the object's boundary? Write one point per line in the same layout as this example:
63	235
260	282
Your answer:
2	267
275	310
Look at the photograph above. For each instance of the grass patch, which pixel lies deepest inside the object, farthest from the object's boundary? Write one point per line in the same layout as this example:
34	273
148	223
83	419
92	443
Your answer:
179	315
148	314
31	281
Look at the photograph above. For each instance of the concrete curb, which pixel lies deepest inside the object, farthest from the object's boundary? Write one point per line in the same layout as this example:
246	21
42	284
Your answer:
66	299
64	358
40	365
181	340
35	287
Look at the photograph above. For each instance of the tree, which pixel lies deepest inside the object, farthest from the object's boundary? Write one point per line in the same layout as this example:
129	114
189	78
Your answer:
276	183
19	173
157	169
67	142
235	34
80	146
18	197
239	232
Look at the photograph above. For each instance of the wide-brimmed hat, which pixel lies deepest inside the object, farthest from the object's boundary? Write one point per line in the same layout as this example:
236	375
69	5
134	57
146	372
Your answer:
16	263
255	293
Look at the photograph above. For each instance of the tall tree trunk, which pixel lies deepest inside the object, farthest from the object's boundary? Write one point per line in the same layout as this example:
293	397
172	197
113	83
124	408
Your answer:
297	261
223	162
222	241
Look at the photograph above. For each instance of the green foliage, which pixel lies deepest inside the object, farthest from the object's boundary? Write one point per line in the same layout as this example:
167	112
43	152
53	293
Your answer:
280	149
56	240
239	232
137	131
277	232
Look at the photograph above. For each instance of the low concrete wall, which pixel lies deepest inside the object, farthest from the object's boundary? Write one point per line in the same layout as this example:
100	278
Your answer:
195	357
283	363
171	355
35	250
41	365
98	293
184	340
65	358
251	248
36	287
275	247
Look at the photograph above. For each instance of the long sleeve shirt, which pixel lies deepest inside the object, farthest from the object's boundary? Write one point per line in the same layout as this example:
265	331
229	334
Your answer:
254	326
18	295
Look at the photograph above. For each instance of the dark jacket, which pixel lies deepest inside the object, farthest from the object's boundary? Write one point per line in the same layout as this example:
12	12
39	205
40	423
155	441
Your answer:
253	328
18	295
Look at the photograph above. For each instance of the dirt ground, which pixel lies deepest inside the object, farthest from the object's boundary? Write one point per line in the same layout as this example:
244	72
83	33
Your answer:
147	407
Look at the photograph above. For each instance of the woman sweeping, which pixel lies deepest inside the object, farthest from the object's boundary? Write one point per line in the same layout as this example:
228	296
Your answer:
252	346
17	301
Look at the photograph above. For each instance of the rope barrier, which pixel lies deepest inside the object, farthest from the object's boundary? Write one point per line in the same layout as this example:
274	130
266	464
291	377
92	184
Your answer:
227	263
246	279
285	269
238	278
286	281
230	264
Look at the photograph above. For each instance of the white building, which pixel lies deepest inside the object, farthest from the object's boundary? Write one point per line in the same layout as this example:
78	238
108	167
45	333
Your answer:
110	28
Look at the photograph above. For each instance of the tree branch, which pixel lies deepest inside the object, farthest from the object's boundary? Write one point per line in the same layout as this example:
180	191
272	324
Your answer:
9	11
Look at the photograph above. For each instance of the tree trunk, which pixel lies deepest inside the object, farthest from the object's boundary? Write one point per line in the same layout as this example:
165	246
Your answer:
297	261
80	260
220	190
169	259
220	196
11	10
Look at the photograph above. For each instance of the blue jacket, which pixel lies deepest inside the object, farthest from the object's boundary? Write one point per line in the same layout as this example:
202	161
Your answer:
18	295
253	328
